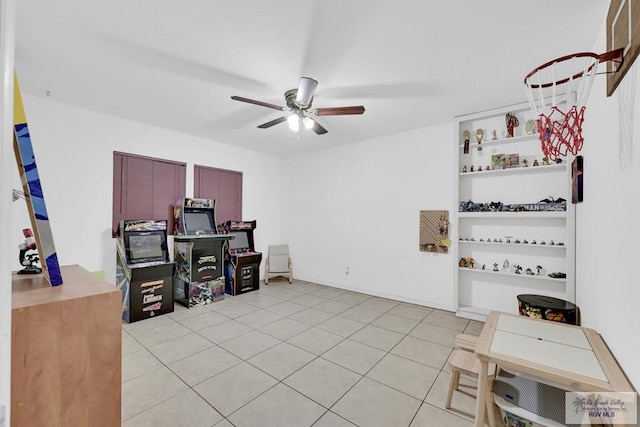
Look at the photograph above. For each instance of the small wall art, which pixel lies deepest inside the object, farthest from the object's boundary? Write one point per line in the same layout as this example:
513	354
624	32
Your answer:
434	231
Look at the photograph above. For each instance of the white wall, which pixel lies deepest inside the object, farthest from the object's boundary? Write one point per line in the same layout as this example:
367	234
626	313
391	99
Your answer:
358	206
608	231
74	152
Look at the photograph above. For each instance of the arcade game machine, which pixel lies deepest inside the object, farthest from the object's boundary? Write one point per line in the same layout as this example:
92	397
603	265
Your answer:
143	271
198	253
242	262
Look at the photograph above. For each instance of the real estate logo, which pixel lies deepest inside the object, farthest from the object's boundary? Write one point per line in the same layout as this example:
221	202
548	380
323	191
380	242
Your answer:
601	408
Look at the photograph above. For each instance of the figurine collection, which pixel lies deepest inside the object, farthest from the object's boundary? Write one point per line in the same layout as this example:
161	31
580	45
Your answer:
508	240
507	161
507	267
545	205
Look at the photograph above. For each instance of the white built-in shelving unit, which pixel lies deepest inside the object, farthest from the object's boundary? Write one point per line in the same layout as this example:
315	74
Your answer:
480	291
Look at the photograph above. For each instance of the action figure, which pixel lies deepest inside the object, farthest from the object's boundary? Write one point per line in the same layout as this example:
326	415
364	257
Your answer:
512	122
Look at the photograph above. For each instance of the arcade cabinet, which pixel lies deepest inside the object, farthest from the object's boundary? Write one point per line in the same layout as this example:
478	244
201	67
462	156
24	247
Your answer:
242	262
198	253
143	271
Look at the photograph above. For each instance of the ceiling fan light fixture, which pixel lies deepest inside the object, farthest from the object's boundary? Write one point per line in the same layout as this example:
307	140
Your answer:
308	122
294	122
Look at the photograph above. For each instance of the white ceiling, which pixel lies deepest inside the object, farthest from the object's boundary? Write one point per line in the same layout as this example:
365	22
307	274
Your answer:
175	64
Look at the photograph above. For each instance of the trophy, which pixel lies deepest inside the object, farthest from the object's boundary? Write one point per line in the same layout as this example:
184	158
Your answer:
466	135
479	137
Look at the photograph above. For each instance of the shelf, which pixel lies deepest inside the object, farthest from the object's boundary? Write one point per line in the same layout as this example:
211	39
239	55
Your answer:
518	170
480	291
473	145
519	245
501	273
540	214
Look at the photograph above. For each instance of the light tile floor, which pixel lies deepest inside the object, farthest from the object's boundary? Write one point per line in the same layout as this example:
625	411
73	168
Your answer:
290	355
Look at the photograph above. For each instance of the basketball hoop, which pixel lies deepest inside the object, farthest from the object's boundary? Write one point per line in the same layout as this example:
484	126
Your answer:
557	92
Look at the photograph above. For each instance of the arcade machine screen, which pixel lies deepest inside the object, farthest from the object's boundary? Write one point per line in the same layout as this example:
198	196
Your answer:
241	241
197	222
146	248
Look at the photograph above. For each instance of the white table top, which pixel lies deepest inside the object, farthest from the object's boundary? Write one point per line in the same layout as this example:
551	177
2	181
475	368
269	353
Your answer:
564	357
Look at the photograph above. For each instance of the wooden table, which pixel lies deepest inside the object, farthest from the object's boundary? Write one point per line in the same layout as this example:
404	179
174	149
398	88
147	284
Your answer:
65	351
566	356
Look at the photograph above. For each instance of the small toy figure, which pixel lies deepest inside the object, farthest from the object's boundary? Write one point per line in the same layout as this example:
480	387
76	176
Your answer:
482	240
533	242
479	168
543	242
545	161
467	262
518	269
495	206
539	268
526	163
560	244
495	135
552	243
529	272
471	169
525	241
508	240
505	265
495	266
535	163
517	241
512	123
483	266
464	168
488	168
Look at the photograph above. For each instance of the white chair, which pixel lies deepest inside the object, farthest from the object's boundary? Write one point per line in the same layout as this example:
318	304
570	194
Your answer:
278	263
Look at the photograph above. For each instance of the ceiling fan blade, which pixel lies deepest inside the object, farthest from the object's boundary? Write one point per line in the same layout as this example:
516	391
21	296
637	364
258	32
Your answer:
306	89
317	128
262	104
339	111
272	122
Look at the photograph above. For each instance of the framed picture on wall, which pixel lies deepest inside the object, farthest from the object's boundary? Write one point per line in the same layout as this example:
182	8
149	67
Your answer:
577	174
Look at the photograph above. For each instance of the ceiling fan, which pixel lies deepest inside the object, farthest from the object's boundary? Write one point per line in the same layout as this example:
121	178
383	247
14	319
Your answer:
299	105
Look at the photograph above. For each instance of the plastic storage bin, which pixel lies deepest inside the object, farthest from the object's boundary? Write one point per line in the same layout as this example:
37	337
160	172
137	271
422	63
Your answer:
527	403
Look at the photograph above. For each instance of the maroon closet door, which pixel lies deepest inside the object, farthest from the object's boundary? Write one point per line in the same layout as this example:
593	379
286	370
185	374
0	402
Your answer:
145	187
224	186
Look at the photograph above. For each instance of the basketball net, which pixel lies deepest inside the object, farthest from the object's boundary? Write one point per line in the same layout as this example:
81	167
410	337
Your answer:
557	92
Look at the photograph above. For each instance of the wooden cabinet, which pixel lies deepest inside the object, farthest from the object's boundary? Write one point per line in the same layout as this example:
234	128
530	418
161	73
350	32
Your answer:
504	229
65	351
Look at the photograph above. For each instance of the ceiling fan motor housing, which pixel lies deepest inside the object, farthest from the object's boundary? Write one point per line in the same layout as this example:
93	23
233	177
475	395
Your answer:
290	97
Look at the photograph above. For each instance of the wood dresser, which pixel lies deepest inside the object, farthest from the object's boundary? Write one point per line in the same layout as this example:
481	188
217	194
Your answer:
65	351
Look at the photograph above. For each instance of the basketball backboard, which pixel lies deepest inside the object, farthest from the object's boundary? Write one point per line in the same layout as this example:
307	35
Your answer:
623	31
